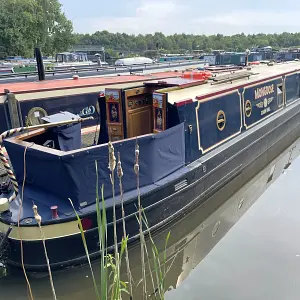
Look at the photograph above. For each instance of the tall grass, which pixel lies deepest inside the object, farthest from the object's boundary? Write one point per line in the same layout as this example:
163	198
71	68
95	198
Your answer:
86	250
120	175
111	285
160	271
142	238
110	266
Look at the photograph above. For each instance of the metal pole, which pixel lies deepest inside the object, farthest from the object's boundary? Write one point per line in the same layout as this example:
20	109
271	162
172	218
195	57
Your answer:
30	128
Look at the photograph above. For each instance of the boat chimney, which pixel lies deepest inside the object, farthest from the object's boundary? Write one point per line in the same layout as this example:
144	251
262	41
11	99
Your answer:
39	63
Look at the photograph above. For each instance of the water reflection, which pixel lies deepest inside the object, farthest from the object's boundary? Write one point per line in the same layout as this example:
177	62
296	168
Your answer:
234	266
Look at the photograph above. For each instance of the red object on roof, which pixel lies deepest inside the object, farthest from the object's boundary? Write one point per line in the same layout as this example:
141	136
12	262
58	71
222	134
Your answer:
196	75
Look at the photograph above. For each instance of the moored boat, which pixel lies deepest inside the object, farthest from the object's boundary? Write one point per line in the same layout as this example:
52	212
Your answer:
194	137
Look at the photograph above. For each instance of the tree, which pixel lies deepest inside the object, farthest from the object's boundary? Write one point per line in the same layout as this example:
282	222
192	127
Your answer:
25	24
179	43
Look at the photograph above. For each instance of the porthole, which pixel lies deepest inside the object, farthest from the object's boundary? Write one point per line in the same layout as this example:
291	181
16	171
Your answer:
248	108
221	120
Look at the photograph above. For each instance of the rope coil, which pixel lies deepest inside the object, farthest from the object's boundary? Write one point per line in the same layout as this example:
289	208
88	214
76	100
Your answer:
5	162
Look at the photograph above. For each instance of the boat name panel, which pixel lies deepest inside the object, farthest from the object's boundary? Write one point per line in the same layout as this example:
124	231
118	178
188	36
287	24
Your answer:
261	100
264	91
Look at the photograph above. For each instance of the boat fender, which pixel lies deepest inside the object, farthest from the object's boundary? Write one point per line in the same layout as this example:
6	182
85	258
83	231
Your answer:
4	205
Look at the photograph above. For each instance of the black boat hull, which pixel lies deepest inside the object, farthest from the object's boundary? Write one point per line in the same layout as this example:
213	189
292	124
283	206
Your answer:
239	159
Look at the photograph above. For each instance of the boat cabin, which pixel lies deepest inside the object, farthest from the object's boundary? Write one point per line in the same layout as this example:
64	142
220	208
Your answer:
136	111
71	57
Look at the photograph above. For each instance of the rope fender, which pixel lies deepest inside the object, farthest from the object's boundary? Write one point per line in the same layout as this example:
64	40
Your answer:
5	162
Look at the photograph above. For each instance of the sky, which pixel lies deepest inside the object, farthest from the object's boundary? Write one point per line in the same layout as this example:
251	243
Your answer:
184	16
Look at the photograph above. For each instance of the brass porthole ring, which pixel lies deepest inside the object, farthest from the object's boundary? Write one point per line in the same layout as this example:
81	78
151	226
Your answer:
248	108
221	120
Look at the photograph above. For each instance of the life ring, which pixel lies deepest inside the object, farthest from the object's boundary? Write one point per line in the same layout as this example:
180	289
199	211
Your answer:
34	116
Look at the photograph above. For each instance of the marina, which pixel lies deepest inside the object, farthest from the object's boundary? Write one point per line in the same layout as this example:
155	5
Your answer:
149	150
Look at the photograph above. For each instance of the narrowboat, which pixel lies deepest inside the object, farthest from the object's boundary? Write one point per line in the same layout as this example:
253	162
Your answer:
192	138
131	61
175	57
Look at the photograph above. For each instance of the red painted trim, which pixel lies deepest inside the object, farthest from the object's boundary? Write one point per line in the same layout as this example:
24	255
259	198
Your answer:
183	102
243	85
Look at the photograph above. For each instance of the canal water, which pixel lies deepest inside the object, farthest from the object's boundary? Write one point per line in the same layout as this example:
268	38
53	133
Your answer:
247	248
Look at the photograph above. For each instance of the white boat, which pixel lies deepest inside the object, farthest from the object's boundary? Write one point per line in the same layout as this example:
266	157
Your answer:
133	61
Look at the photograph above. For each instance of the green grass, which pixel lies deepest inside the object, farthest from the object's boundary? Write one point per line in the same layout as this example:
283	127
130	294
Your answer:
111	287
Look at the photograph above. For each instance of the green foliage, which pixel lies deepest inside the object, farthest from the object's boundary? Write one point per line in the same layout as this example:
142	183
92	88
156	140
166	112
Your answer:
181	42
26	24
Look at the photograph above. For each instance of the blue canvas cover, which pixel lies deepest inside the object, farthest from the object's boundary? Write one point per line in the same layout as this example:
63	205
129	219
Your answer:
68	137
53	177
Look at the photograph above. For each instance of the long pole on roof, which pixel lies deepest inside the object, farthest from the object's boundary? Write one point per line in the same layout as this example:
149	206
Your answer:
53	124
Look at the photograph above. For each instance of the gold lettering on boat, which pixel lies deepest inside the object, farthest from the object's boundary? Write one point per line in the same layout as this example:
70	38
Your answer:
265	104
264	91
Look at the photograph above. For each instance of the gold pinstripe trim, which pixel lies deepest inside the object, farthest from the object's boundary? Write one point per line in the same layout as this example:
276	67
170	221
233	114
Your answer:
53	231
198	125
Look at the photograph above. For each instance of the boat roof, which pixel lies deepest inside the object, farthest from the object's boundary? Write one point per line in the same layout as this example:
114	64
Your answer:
175	81
258	73
51	85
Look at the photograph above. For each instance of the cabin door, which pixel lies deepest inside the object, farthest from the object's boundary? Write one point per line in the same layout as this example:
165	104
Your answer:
138	103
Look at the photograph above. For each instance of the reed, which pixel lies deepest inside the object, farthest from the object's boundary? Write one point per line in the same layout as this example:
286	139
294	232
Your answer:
102	233
142	238
110	266
86	250
159	266
111	285
120	175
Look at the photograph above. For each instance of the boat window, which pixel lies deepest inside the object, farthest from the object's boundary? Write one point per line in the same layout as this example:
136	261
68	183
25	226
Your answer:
279	95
